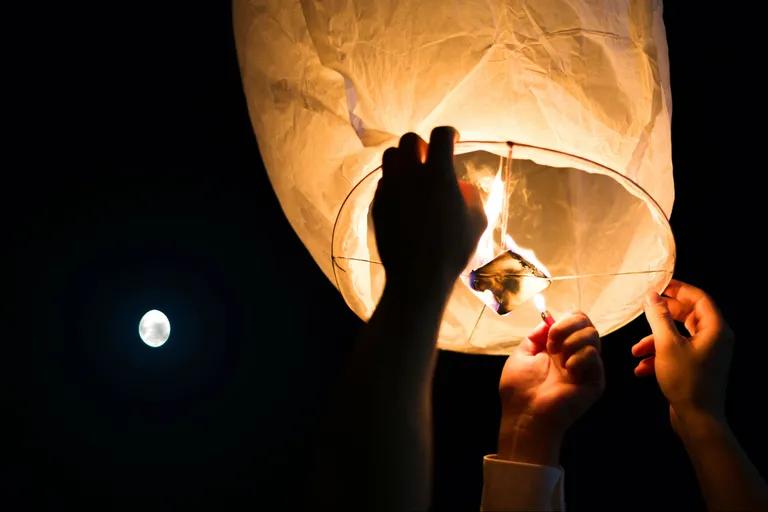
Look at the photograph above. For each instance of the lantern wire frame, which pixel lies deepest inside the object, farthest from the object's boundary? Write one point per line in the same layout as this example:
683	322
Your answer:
464	147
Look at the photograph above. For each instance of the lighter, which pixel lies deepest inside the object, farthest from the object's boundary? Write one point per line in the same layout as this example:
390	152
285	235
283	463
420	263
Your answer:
538	299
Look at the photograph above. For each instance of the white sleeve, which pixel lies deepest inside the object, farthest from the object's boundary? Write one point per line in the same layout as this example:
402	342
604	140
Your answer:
515	486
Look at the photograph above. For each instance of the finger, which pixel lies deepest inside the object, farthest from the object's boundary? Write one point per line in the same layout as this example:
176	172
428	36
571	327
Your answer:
563	328
390	163
478	219
539	335
585	337
681	312
646	367
677	309
683	292
441	148
586	365
412	149
705	311
644	347
661	321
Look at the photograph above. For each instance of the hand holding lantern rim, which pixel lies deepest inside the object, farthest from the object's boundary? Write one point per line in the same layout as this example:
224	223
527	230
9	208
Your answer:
427	224
692	372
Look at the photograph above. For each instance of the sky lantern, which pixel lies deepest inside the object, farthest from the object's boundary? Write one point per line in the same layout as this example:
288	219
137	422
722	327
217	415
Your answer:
564	112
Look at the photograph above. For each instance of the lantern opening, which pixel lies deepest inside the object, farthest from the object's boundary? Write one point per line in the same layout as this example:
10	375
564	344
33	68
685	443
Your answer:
589	236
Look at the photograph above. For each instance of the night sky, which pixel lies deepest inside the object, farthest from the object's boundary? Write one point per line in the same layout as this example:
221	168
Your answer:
133	182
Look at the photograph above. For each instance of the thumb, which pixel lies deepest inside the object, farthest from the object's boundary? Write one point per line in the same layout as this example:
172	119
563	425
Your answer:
661	321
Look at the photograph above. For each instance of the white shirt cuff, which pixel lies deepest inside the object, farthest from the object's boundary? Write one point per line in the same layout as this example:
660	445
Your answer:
517	486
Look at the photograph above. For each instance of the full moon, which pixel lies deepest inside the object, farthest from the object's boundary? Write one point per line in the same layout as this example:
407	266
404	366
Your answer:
154	328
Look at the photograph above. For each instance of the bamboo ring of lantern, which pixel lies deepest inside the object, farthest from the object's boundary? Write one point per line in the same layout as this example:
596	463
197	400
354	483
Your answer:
549	199
331	85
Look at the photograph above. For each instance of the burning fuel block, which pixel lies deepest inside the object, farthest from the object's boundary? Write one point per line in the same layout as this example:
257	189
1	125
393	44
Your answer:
511	279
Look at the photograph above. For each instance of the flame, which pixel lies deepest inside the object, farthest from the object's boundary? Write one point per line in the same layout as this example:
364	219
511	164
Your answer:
487	250
538	299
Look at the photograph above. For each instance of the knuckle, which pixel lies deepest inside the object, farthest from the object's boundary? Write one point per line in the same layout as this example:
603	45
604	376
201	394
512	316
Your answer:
584	339
591	332
557	332
592	338
581	318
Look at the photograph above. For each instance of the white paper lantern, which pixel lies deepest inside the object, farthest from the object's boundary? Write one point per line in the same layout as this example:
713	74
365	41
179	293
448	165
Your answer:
580	87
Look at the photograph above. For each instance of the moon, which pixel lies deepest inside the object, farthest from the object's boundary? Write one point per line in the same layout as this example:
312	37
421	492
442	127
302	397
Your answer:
154	328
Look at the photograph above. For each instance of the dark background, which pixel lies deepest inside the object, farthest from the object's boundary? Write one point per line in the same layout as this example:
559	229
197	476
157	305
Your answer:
133	181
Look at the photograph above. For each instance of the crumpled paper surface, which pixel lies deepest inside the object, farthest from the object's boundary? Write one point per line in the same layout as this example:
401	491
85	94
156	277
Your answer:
331	84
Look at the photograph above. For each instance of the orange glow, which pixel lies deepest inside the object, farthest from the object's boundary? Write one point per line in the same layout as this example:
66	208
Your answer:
486	249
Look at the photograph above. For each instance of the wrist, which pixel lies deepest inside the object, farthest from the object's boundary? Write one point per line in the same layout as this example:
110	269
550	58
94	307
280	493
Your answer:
523	439
410	312
694	426
421	289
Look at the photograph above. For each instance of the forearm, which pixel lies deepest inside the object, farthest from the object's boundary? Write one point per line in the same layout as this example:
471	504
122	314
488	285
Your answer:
401	337
728	479
380	426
